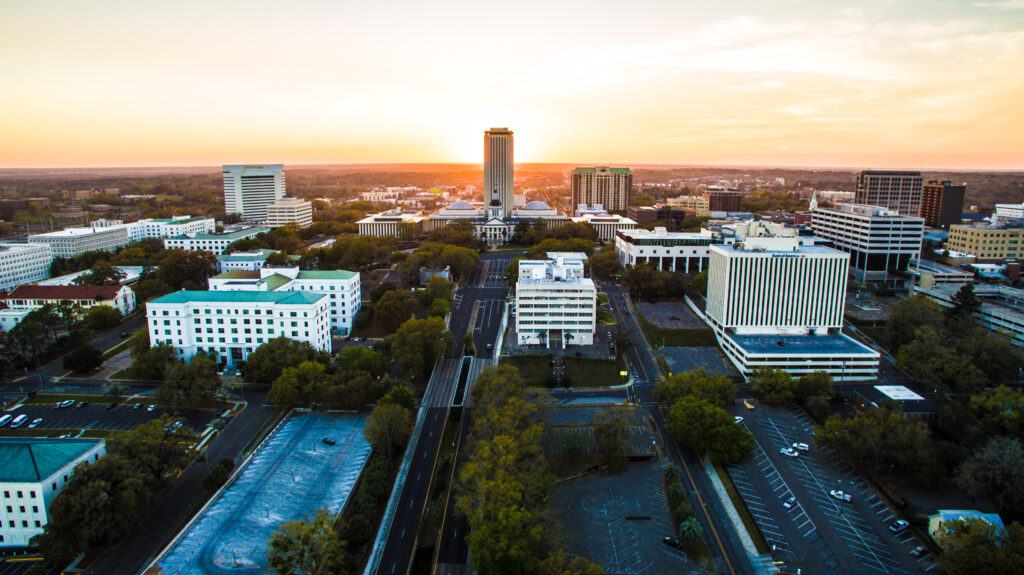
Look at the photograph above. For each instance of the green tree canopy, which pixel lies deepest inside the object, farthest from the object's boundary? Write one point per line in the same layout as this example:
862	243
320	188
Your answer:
101	274
299	385
775	385
878	440
706	427
814	384
310	547
388	428
102	317
419	343
399	394
359	358
716	389
611	431
151	362
995	473
83	359
394	308
269	360
973	546
192	383
187	269
907	316
158	448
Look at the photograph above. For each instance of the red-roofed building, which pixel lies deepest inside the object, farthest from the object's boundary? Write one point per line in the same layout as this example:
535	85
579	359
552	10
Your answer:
118	297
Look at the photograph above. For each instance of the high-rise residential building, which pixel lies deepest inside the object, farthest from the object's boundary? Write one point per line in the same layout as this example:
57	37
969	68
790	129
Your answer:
722	200
340	286
34	471
610	187
24	264
232	324
774	302
498	169
880	241
986	242
942	203
555	303
891	189
249	189
290	210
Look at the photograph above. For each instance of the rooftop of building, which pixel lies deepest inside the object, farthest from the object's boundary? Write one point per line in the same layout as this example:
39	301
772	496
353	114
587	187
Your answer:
326	275
909	401
252	256
227	235
34	459
290	201
593	170
177	220
775	246
131	274
659	232
276	297
928	266
892	173
566	255
64	292
536	272
12	246
254	169
536	205
78	232
865	210
787	345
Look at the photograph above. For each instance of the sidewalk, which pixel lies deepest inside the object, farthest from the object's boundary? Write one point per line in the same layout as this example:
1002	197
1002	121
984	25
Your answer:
762	563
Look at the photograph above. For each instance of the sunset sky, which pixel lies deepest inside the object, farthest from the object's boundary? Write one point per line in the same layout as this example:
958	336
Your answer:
919	84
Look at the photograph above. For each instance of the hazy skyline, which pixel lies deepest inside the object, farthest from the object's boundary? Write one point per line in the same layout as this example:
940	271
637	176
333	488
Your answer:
885	84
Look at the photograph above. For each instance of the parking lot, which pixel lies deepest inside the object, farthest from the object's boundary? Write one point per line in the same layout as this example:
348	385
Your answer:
818	532
564	420
661	314
712	359
97	416
618	521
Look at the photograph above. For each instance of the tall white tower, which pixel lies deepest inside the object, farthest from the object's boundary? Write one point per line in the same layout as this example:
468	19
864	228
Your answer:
249	189
498	168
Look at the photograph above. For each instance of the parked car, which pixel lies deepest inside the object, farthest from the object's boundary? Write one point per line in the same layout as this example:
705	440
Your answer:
789	503
674	318
111	405
65	403
137	406
5	418
802	446
124	334
747	404
329	440
899	526
35	423
81	404
841	495
151	408
919	551
737	419
671	542
789	452
18	421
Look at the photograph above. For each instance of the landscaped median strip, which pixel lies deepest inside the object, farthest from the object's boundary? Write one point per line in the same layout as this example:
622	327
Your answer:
742	529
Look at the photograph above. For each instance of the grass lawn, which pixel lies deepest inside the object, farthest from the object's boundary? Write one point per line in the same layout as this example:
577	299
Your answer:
534	369
741	508
593	372
605	317
693	337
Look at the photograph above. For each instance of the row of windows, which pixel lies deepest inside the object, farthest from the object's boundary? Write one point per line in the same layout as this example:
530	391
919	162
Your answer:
31	494
24	524
21	509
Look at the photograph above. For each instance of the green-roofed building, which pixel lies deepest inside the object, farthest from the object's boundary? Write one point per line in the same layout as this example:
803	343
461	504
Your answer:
252	260
610	188
214	243
32	472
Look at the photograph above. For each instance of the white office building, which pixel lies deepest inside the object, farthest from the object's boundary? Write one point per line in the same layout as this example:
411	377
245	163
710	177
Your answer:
604	223
880	241
290	210
24	264
498	168
340	286
248	261
773	302
249	189
399	223
11	317
33	470
213	243
555	304
169	227
71	242
671	251
232	324
1010	211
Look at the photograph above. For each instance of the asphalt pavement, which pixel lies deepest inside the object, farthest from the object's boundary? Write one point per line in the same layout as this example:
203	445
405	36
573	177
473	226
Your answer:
97	416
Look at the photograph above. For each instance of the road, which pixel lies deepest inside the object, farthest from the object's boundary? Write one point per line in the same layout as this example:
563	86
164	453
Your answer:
478	308
179	503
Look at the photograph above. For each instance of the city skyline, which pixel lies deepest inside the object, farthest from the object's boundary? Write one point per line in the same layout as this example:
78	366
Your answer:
889	84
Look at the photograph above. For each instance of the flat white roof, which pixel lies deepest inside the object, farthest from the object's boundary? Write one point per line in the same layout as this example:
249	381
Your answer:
898	392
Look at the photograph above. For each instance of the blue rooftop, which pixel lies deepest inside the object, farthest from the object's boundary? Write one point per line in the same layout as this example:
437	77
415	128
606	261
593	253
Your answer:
832	344
30	459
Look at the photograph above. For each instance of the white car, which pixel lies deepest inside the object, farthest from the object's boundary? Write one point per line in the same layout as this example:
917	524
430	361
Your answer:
35	423
789	452
151	408
899	526
737	419
840	495
789	503
65	403
802	446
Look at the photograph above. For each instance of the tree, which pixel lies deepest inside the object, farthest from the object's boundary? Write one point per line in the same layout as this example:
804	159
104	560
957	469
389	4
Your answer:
279	259
394	308
310	547
995	473
699	283
219	475
187	269
83	359
102	317
401	395
151	363
878	439
190	383
97	507
438	288
605	263
558	563
814	384
419	343
101	274
690	531
158	447
388	428
774	384
575	441
705	427
965	304
716	389
611	431
928	358
299	385
269	360
908	316
974	545
1000	411
362	358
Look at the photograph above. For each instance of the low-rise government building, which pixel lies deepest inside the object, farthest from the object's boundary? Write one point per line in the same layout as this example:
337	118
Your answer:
213	243
24	264
555	304
119	297
290	210
670	251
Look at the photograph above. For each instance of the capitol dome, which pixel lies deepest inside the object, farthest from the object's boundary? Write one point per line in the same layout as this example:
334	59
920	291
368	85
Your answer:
460	205
536	205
